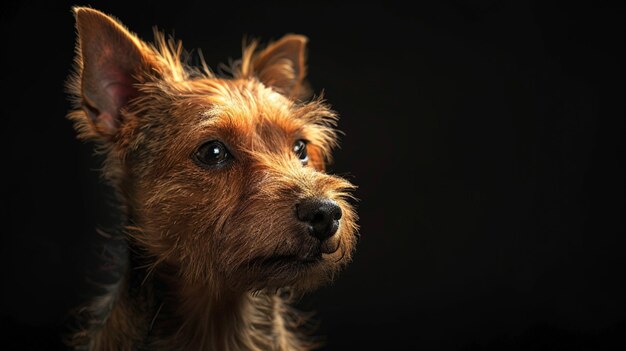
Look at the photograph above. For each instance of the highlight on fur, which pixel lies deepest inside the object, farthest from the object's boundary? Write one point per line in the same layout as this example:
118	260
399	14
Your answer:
228	211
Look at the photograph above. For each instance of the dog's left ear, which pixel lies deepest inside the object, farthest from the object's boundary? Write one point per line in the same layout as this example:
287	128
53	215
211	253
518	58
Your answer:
282	66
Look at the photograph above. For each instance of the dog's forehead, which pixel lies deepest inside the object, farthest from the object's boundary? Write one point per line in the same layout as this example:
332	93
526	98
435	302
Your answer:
248	102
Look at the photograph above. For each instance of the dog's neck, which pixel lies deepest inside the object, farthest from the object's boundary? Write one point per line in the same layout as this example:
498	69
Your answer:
200	316
154	310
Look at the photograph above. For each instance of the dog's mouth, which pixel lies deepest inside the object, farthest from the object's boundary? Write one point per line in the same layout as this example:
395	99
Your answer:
309	254
288	261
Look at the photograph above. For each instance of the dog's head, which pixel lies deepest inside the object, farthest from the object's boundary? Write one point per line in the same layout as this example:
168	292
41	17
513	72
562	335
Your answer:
224	178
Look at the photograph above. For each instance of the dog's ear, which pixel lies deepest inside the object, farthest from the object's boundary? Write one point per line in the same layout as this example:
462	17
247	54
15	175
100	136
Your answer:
110	61
282	66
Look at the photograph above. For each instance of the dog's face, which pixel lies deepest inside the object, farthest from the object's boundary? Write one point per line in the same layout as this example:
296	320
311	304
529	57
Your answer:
224	178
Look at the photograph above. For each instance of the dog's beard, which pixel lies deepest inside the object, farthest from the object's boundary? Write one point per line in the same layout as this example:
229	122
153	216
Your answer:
286	271
303	265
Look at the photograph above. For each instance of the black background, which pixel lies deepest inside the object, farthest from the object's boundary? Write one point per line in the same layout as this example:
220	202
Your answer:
485	137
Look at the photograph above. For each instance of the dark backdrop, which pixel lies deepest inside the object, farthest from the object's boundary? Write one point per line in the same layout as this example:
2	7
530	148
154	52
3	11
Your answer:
485	137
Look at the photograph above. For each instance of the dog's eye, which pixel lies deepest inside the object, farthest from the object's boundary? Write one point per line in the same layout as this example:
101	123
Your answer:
212	153
300	149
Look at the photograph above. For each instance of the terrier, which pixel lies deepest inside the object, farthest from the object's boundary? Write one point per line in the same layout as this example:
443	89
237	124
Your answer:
228	210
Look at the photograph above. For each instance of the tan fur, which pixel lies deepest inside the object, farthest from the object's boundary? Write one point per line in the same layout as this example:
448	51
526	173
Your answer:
198	236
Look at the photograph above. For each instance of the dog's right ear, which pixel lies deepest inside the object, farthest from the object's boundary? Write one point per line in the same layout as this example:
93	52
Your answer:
110	62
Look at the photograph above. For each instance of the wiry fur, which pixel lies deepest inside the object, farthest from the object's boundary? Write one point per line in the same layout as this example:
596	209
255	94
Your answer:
199	238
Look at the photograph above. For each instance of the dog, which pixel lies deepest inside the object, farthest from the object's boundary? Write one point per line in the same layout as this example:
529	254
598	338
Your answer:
228	210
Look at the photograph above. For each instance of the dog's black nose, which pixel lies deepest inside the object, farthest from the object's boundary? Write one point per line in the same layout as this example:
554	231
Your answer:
322	216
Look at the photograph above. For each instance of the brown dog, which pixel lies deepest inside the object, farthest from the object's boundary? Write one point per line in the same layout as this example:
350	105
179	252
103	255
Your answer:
221	179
